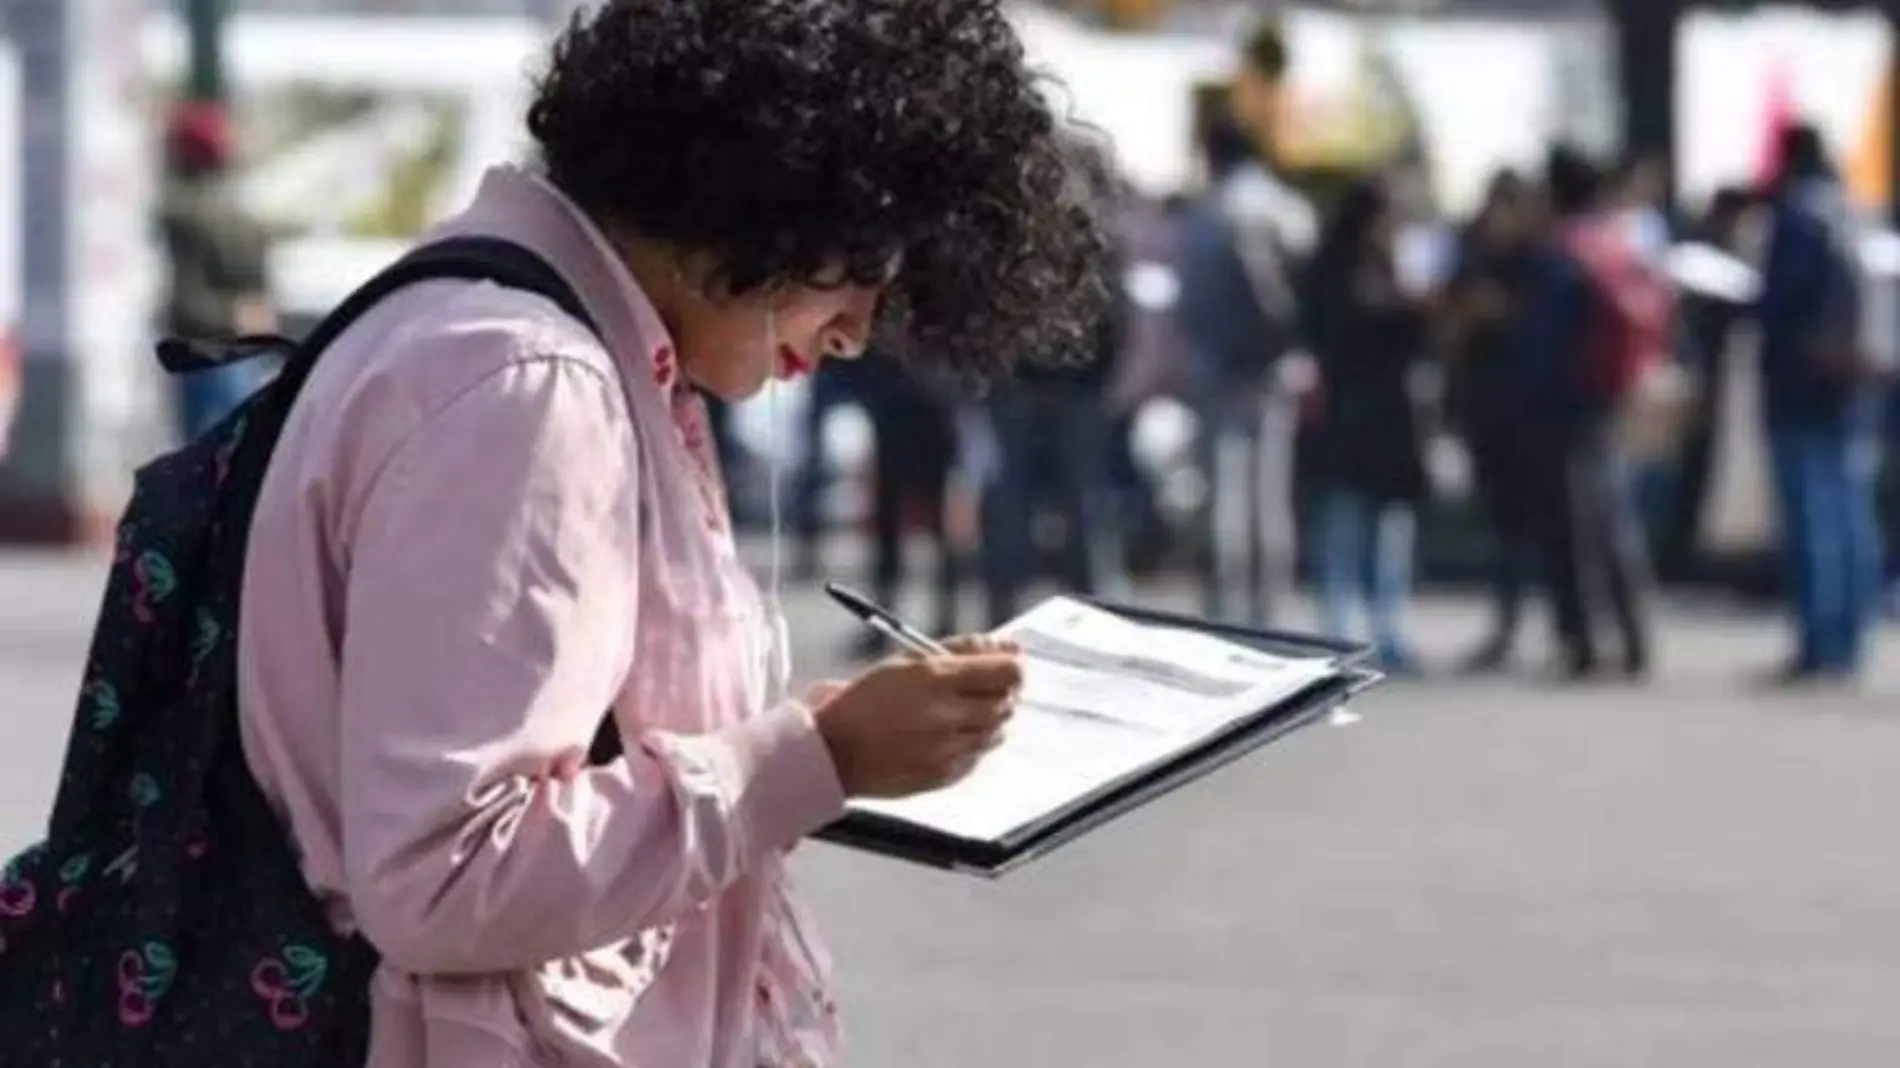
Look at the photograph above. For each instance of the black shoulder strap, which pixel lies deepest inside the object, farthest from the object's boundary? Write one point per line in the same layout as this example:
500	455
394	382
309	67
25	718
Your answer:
491	259
473	258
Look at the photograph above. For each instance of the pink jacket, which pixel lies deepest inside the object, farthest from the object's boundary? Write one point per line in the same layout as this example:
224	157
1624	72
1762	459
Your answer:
481	530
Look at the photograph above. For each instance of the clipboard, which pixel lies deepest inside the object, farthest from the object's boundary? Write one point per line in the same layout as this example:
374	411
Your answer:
900	840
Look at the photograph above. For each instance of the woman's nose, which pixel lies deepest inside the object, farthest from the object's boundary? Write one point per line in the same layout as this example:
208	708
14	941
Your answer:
841	344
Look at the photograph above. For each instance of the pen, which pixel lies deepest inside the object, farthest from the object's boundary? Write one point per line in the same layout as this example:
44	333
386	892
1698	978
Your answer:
884	621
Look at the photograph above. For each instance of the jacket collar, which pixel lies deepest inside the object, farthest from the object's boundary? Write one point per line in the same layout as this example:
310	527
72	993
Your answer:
520	205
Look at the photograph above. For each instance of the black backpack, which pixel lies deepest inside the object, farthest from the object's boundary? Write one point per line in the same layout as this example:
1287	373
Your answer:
164	922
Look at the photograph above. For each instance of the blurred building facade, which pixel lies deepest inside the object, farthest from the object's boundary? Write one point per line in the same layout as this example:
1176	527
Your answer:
399	7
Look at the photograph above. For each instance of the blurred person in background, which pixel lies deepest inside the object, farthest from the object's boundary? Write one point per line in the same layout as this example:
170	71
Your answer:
831	387
1482	338
1148	368
1820	401
1641	196
914	423
1708	333
485	523
1366	334
1890	495
1639	193
744	475
1243	244
1050	426
1598	318
217	256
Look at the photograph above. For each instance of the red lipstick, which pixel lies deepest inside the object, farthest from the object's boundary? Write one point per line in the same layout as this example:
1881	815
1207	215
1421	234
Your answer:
791	363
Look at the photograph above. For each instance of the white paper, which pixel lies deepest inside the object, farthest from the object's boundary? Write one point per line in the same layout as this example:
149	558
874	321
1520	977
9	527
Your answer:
1103	697
1712	272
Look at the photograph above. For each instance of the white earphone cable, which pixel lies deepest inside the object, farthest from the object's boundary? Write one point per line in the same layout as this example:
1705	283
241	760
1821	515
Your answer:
775	607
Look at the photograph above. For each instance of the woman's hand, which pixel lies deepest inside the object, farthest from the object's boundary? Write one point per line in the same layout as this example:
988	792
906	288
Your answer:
910	725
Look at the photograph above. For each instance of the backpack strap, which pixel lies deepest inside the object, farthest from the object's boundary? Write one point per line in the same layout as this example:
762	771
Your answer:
474	258
471	258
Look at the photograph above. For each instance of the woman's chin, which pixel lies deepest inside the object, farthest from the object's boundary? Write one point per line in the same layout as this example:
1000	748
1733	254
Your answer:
740	396
738	388
725	382
738	384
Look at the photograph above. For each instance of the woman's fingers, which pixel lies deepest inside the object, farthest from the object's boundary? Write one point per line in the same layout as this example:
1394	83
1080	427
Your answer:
990	675
979	644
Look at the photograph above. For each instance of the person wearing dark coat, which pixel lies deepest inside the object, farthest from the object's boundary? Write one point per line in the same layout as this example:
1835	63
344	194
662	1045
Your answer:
913	420
1481	312
1052	430
1366	333
1242	245
1594	554
1820	395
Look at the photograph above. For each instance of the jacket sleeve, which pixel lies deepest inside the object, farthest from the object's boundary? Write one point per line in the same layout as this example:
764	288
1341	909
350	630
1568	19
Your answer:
491	602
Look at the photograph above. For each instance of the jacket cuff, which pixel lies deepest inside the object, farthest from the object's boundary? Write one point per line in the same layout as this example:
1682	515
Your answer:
792	786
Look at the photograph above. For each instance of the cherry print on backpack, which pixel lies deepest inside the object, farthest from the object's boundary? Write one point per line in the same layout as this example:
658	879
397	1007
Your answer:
288	984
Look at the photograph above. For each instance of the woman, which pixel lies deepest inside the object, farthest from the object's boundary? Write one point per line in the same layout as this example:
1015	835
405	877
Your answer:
1365	332
1482	339
914	426
484	524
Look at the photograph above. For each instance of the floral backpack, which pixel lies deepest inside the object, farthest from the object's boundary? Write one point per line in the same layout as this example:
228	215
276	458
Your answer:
164	921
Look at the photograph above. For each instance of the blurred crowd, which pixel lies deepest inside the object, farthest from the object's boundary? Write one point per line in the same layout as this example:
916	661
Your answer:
1327	345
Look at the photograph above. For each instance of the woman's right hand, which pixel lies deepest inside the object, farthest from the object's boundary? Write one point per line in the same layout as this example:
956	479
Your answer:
911	725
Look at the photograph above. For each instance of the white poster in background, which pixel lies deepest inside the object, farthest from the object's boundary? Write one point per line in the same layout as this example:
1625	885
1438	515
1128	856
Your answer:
358	132
1476	93
1736	74
1485	95
11	207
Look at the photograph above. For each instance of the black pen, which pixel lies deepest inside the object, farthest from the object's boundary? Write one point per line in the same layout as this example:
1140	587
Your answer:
885	622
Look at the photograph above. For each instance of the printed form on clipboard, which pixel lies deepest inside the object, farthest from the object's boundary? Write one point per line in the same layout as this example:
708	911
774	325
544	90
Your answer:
1105	699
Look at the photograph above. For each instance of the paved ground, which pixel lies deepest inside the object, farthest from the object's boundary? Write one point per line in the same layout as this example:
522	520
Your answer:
1481	876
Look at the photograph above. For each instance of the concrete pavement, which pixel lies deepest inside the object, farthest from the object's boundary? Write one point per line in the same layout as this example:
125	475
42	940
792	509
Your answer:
1482	875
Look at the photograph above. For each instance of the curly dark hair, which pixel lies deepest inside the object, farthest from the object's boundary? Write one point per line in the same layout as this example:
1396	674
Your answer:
787	137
